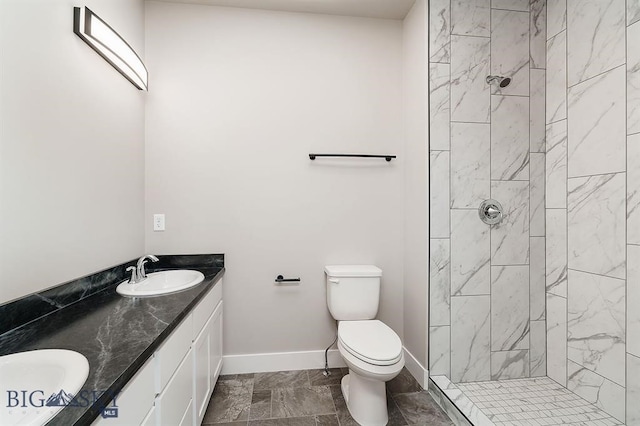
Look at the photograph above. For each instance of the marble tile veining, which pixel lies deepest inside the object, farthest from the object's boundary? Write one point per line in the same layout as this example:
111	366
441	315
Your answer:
557	338
556	165
509	308
440	284
633	300
596	36
470	252
596	324
510	238
596	125
522	5
556	252
439	30
538	34
472	414
446	402
633	389
538	349
596	221
470	338
510	50
536	194
439	107
633	189
633	79
537	118
534	401
510	365
556	77
471	17
509	138
470	164
537	279
603	393
470	94
439	210
440	350
556	17
633	11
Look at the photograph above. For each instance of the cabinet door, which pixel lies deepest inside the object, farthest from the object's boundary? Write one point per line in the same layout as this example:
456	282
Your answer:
216	344
176	397
202	371
134	401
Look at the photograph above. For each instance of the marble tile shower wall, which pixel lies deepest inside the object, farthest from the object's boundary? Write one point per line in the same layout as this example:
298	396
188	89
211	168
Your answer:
592	200
487	315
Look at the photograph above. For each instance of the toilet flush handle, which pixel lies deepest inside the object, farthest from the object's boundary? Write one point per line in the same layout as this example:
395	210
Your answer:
334	281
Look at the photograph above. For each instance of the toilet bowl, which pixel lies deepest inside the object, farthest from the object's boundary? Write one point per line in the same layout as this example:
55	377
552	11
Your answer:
371	350
373	353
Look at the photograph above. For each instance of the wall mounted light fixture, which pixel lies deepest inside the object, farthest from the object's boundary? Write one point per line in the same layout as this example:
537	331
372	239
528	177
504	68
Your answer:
108	43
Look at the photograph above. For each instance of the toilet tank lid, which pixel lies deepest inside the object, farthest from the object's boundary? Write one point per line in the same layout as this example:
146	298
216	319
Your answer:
353	271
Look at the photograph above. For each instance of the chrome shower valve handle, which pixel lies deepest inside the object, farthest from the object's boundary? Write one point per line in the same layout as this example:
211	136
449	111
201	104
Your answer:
490	212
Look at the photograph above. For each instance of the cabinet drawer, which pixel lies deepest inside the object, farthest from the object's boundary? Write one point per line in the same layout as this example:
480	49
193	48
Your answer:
176	398
172	352
205	308
134	401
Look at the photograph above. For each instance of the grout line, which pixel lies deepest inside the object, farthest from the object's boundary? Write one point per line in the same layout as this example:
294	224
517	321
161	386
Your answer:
566	239
593	76
596	174
491	121
594	273
626	209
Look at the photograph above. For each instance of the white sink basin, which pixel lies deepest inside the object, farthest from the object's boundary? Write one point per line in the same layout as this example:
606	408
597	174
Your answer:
163	282
49	376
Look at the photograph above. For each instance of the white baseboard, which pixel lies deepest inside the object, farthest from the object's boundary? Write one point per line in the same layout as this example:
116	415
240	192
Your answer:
416	369
306	360
279	361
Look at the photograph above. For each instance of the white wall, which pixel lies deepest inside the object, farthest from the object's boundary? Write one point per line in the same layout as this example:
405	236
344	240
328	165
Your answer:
416	181
238	100
71	146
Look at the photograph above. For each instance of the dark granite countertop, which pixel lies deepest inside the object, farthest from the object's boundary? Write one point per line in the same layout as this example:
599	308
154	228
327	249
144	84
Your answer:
116	334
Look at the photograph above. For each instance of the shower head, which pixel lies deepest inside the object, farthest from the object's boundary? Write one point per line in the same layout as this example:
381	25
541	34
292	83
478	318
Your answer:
501	81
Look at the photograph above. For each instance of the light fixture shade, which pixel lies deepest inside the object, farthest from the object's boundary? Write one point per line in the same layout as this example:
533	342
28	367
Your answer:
108	43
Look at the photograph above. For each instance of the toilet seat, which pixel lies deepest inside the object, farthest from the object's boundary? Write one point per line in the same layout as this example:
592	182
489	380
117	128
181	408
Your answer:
370	341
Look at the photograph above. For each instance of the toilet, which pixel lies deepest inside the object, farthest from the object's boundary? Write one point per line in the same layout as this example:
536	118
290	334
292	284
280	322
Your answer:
371	350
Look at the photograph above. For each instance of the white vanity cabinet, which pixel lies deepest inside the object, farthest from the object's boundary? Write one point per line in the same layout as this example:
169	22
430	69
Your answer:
207	360
175	385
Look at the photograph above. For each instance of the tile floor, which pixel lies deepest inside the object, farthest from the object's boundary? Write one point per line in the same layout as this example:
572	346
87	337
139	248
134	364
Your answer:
536	401
307	398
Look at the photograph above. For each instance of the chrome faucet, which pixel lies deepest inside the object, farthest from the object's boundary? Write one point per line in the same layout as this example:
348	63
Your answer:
137	272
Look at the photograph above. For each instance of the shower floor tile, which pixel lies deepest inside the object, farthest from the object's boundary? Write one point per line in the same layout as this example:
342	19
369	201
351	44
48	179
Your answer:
536	401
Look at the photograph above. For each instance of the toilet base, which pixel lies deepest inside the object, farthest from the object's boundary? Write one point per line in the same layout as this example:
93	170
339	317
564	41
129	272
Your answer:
366	399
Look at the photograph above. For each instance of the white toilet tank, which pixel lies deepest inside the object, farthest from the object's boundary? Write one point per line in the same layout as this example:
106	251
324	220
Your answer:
353	291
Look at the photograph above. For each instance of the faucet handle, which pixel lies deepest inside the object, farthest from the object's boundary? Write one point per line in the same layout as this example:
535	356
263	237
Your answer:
134	274
142	274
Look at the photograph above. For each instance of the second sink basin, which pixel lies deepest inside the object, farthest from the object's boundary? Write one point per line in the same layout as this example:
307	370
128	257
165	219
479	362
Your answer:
35	385
163	282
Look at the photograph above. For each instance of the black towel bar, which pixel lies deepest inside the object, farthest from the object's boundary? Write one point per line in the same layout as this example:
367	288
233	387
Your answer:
281	279
386	157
